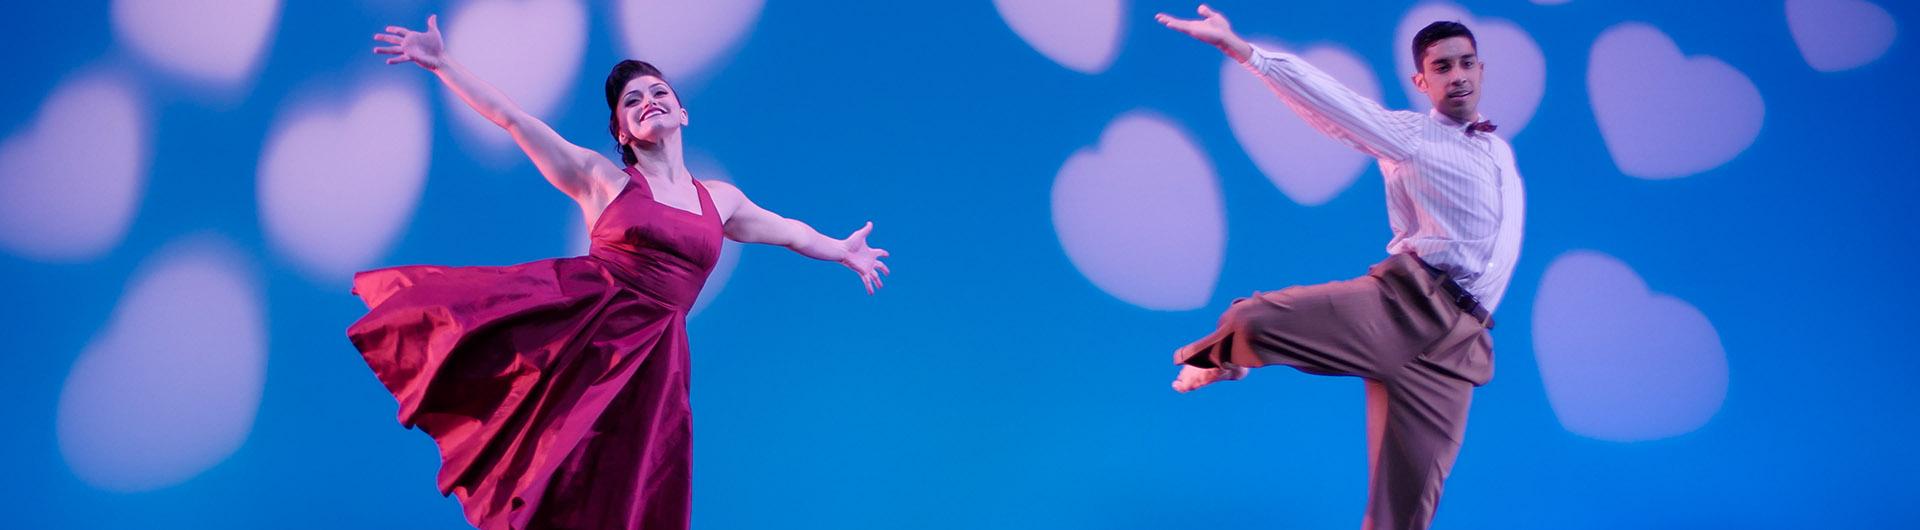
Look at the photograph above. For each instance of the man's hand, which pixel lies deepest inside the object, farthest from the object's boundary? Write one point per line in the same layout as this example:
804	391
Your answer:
1211	28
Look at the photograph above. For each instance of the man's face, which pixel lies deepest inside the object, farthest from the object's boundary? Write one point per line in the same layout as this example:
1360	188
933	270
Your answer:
1450	75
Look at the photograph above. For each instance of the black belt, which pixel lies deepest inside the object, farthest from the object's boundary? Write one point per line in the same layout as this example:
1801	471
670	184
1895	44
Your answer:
1460	295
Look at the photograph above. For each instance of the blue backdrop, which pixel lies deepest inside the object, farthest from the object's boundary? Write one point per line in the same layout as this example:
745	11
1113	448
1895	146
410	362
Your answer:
187	186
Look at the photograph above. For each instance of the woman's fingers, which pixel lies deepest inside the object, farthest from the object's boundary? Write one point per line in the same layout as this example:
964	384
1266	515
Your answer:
882	267
397	30
433	23
387	50
388	38
400	59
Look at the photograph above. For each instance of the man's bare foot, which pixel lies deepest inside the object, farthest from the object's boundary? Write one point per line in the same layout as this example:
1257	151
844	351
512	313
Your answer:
1192	377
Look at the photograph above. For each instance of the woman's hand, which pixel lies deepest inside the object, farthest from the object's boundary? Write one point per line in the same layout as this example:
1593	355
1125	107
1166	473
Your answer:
865	260
423	48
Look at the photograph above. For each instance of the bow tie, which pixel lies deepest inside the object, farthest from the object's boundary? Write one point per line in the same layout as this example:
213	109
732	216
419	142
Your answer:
1484	126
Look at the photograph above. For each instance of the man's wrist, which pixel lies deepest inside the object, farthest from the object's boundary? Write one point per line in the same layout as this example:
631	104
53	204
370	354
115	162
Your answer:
1237	48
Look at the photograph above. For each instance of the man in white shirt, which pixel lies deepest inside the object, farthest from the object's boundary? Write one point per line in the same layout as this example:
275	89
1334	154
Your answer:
1415	327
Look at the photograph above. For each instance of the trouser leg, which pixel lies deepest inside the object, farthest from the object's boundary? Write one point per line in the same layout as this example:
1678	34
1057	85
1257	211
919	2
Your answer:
1322	329
1420	417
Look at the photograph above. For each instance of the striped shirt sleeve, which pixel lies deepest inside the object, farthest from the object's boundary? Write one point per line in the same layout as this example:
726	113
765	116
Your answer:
1336	110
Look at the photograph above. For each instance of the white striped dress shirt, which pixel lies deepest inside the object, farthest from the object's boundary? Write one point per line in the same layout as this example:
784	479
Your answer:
1453	198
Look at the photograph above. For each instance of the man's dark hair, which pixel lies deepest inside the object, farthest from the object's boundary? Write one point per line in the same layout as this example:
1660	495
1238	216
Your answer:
1436	32
616	81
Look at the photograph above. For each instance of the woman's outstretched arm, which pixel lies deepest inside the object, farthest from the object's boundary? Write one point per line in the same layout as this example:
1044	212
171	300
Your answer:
581	173
747	222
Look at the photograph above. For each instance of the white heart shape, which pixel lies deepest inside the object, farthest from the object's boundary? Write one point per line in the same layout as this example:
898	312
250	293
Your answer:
339	179
1307	166
1620	362
1665	115
219	41
1141	215
169	387
703	168
1836	35
685	38
1082	35
1516	71
73	178
529	49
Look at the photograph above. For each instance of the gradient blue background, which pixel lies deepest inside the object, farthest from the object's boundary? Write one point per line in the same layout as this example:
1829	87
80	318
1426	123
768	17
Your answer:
990	385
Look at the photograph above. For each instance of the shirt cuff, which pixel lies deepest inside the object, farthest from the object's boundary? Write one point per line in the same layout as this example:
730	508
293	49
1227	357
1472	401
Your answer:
1257	55
1253	55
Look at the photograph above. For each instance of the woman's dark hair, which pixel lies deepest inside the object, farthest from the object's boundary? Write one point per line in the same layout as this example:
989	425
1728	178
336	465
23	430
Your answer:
1436	32
617	80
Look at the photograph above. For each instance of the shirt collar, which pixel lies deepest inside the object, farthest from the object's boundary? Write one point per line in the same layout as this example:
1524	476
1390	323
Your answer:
1450	122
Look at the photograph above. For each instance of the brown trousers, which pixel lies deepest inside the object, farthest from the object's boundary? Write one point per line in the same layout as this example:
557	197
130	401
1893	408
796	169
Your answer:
1396	327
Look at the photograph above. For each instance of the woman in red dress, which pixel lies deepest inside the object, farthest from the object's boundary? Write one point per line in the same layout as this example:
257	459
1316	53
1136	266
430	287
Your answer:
557	389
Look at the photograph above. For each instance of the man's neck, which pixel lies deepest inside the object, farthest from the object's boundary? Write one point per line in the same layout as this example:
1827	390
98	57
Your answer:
1450	119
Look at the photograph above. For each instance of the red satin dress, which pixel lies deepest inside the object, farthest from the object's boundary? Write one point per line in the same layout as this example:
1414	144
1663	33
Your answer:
557	389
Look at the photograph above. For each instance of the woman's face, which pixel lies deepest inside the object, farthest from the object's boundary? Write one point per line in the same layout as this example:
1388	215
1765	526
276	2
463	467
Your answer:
649	110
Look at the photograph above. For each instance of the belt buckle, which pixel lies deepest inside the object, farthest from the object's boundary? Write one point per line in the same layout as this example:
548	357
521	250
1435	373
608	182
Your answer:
1461	296
1470	304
